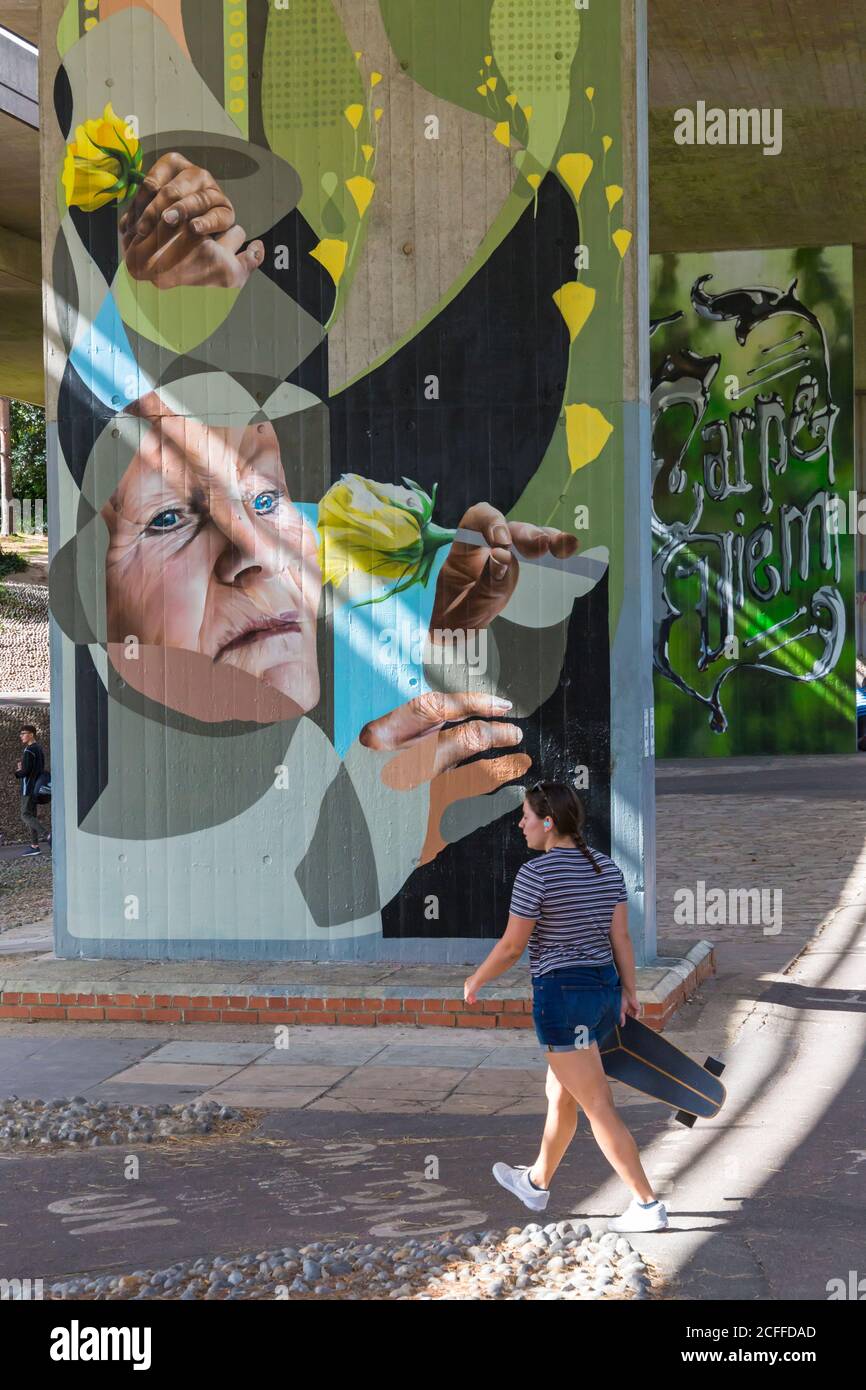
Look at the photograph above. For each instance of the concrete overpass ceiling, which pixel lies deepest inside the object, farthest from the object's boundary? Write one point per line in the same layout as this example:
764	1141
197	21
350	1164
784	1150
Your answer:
21	17
807	60
19	193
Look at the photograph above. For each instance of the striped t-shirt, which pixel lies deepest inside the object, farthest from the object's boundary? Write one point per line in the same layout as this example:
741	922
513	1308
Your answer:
572	906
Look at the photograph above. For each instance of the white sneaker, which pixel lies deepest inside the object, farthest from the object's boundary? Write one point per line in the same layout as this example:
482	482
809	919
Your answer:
638	1218
516	1180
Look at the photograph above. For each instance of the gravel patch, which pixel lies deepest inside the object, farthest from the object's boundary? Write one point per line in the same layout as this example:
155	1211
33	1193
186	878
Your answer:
562	1261
25	888
74	1122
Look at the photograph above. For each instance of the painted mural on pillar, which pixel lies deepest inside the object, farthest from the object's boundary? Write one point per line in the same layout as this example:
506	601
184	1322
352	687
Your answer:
754	518
339	448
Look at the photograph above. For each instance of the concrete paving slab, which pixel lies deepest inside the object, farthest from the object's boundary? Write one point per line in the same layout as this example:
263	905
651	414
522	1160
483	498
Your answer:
267	1079
520	1056
373	1105
407	1055
331	1054
214	1052
407	1081
87	1051
143	1095
174	1074
285	1098
503	1081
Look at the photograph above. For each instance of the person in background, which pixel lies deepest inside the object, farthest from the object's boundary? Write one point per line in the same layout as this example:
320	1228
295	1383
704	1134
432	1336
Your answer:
30	768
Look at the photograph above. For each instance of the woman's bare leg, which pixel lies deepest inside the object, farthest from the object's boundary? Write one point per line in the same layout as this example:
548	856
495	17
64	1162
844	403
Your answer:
559	1130
582	1074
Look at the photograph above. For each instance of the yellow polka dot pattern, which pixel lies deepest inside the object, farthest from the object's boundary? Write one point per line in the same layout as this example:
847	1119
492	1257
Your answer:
88	15
236	74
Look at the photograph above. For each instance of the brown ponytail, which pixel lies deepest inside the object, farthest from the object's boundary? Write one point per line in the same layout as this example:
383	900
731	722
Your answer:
565	808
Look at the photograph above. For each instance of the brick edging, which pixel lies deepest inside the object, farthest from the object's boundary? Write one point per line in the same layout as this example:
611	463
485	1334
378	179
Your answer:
37	1005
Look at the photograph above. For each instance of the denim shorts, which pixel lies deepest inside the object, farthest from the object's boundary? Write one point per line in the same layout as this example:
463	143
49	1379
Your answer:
575	1006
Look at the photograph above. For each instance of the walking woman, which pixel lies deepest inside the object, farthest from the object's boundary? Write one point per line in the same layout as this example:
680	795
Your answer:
569	905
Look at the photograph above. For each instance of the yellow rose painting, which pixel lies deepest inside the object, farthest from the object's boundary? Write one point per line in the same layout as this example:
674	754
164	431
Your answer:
103	163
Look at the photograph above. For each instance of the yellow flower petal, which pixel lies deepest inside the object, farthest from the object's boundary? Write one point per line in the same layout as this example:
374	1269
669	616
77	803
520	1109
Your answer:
367	151
332	255
533	180
353	115
606	142
590	92
360	529
502	133
375	79
587	432
488	58
482	90
527	111
378	113
358	57
491	83
613	193
574	170
512	100
362	190
622	241
575	301
88	185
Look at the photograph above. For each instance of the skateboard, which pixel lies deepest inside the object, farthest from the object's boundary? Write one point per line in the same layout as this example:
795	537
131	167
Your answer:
646	1061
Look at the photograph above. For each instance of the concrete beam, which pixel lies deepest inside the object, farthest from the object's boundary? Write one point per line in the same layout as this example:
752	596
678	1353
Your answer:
19	78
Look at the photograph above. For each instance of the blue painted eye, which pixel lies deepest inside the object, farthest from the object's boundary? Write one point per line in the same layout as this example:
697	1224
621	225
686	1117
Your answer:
264	503
164	521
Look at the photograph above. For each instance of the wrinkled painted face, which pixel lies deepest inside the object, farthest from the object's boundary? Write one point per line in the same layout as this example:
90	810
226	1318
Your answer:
213	581
532	827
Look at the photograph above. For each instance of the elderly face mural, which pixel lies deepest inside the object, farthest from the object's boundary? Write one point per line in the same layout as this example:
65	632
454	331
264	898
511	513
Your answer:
342	484
752	459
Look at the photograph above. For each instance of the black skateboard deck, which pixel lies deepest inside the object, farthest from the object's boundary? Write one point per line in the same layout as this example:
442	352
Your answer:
647	1062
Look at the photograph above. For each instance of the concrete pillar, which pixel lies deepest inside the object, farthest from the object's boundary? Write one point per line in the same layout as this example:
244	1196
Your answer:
423	313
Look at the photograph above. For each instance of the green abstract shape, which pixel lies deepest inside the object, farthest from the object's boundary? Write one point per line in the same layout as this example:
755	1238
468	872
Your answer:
309	78
67	28
595	363
442	43
178	319
534	43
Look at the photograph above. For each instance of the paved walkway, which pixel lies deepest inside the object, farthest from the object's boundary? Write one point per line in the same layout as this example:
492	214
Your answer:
766	1202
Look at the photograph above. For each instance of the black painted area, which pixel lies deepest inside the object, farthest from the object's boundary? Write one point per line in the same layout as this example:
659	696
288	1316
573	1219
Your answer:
91	732
81	418
473	876
500	351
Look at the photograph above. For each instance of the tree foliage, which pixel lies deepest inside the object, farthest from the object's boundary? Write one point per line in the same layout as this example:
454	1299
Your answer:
27	430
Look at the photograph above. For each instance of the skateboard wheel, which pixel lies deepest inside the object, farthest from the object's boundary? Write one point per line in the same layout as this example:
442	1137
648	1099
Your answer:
712	1064
685	1118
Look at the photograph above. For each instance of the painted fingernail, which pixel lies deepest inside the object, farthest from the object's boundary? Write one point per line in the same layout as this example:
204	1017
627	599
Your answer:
171	216
502	535
501	701
499	571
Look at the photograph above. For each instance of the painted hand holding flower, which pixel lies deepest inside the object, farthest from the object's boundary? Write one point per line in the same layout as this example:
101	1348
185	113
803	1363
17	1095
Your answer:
387	532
